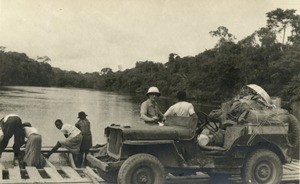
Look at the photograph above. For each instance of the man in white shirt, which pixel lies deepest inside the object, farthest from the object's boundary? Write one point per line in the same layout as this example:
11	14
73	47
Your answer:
73	139
181	108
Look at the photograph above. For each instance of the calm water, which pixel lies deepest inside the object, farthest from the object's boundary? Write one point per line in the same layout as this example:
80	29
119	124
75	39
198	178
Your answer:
42	106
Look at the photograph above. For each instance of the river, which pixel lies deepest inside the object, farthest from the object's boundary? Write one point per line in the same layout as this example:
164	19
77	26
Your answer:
41	106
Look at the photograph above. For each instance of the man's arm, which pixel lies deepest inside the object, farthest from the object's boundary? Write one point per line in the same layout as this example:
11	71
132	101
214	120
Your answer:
194	115
77	126
192	112
143	113
169	112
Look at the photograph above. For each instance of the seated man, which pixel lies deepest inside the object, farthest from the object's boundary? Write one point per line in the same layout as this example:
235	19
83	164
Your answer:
181	108
150	112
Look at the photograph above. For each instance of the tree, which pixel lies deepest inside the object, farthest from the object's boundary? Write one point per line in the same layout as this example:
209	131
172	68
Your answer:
106	71
280	20
173	57
266	36
224	36
2	48
43	59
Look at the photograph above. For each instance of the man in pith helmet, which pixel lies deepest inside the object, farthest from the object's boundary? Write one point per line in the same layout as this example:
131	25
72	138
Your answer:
150	112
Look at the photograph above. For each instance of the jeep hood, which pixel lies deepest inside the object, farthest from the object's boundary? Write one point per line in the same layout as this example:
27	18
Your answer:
148	132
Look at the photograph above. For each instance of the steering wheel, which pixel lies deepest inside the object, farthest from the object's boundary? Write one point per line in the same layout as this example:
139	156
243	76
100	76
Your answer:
203	120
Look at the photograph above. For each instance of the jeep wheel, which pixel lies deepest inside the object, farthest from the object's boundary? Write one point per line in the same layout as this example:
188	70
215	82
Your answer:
262	166
110	177
141	169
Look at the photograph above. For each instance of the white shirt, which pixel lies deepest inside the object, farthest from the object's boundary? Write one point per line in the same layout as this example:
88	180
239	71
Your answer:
182	108
70	130
29	131
6	117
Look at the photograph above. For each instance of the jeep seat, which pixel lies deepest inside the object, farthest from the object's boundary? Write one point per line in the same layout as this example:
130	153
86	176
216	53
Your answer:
231	134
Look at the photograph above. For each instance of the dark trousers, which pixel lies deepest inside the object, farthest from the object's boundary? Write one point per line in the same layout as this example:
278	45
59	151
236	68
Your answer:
81	158
12	127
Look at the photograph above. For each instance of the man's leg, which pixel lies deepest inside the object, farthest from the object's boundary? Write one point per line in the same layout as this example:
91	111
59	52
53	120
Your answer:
54	149
85	154
9	129
79	159
18	141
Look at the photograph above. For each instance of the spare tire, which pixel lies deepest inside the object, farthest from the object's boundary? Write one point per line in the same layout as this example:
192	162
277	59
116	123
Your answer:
294	131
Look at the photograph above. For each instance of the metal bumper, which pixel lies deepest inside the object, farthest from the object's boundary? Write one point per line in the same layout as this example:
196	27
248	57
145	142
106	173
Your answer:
97	163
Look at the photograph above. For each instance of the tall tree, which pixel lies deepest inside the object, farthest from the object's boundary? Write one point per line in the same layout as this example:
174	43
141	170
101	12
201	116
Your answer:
223	33
283	20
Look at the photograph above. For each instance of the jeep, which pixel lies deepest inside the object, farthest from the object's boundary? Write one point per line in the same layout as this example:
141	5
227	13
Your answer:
145	154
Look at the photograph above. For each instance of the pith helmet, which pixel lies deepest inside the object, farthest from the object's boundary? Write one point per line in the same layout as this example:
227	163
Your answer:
260	91
153	90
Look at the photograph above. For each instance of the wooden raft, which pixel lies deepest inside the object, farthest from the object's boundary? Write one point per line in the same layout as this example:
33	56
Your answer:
67	175
291	172
31	175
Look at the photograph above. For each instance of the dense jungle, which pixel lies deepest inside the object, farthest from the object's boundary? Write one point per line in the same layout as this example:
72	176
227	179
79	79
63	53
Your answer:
270	57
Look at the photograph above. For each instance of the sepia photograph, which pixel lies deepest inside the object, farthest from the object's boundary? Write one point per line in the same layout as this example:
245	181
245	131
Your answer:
150	91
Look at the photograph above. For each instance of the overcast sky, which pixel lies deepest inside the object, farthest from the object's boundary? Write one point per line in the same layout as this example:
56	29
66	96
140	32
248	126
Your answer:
88	35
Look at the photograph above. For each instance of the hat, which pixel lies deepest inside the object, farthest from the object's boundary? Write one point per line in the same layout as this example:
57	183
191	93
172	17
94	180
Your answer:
153	90
82	114
26	124
260	91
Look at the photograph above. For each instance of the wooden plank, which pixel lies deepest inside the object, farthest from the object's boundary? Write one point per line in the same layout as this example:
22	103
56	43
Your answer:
48	163
1	174
291	173
53	174
289	170
286	167
89	171
293	179
71	172
46	149
14	173
291	176
291	167
1	171
33	174
48	182
295	164
71	160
